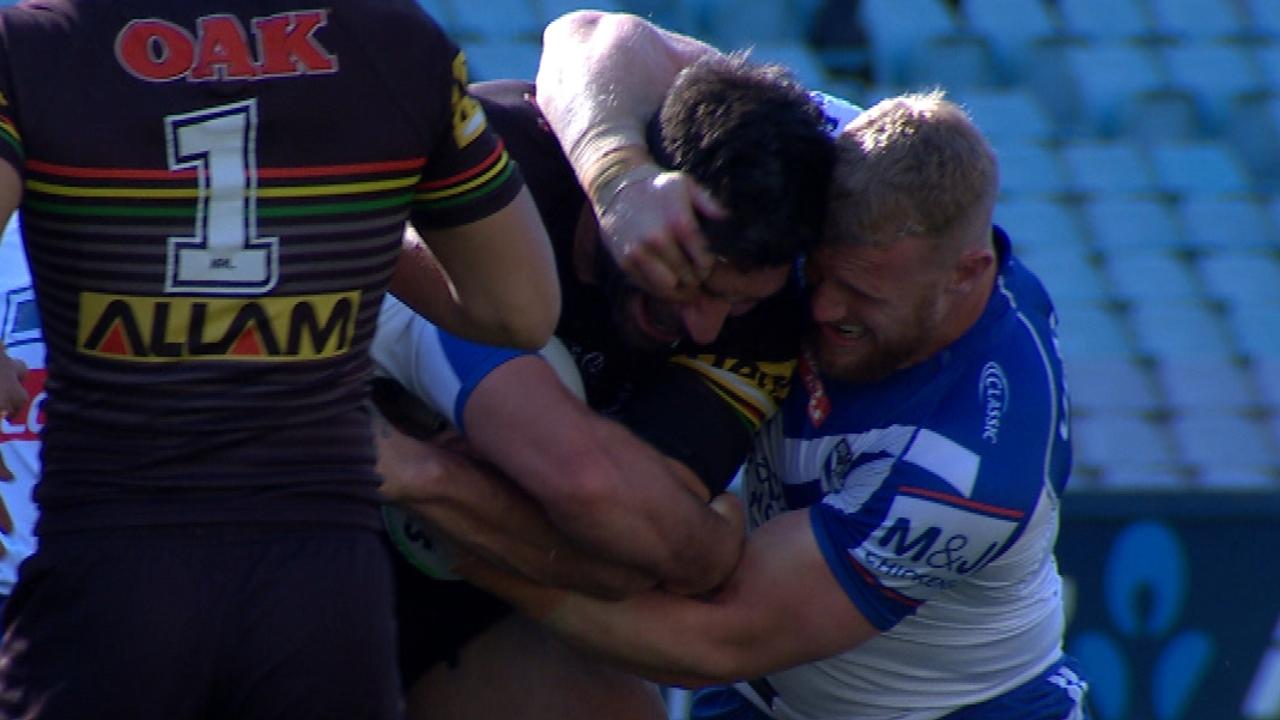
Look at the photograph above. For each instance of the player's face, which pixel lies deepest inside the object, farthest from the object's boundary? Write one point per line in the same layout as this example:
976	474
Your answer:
876	309
727	292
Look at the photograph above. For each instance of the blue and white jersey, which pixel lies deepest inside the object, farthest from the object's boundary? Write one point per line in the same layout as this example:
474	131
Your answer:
934	498
19	433
434	366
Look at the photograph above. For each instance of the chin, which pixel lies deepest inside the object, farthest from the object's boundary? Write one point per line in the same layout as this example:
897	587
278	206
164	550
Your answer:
858	368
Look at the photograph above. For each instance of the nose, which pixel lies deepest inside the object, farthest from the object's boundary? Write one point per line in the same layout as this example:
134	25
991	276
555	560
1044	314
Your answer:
703	318
825	304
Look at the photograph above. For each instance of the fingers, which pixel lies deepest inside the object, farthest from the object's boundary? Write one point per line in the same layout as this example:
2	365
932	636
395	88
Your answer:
652	230
13	396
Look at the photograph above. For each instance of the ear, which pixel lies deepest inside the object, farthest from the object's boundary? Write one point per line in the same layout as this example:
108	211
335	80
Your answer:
971	269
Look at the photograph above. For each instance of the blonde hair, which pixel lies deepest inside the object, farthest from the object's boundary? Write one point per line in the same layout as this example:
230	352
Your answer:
914	164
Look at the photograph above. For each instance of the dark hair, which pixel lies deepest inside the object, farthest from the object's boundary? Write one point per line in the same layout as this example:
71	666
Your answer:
751	135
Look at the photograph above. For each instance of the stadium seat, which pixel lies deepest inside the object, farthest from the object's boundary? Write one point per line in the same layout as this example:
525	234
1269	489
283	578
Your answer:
1210	383
1196	19
1104	19
548	10
1069	273
1151	274
1012	28
1216	75
1099	82
495	20
896	28
1037	225
442	11
1006	113
1179	329
1225	448
1029	168
1216	222
1203	167
1091	330
727	24
493	59
1264	16
1253	327
1267	57
1105	169
1242	276
1162	114
953	62
1253	128
1119	224
802	60
1128	451
1102	384
1266	375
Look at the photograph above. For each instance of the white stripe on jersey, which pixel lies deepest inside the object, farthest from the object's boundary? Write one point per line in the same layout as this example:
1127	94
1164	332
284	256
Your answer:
947	459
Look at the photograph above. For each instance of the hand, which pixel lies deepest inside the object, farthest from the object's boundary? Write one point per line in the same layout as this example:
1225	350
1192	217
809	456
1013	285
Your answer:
13	397
411	469
649	223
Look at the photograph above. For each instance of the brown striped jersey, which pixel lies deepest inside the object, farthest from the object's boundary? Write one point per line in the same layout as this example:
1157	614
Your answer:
214	195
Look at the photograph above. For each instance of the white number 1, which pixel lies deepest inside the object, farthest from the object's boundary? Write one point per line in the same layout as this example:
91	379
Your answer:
225	255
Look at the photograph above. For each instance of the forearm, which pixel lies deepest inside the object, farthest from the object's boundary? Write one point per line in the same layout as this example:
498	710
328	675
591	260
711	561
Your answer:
480	513
644	634
782	607
694	546
601	77
616	495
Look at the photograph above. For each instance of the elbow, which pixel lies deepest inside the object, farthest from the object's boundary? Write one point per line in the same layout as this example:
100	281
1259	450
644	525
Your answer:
573	24
718	660
536	327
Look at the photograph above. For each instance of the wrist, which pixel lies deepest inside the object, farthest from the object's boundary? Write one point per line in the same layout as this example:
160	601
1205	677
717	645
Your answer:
605	169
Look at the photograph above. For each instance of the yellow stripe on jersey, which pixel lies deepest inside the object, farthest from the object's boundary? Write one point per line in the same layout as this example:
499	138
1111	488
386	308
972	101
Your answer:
754	390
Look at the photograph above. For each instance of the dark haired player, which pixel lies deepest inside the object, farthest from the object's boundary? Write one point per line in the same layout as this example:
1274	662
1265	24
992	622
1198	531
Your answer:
212	220
694	377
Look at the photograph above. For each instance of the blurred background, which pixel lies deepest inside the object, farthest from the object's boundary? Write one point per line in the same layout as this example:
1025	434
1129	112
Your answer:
1139	143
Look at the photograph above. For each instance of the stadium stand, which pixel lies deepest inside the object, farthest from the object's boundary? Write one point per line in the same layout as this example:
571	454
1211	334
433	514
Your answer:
1118	223
1105	169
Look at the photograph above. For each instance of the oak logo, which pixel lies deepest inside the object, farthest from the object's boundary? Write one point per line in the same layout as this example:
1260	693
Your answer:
264	329
221	49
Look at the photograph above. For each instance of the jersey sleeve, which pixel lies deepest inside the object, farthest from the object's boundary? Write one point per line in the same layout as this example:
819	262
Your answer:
917	534
11	147
439	368
468	174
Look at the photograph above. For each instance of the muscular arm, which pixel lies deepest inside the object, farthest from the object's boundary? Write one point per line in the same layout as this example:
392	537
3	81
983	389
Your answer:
486	516
492	280
601	77
781	607
603	487
13	397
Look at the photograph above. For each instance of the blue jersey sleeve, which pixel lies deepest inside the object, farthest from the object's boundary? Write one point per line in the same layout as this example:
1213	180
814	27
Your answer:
441	369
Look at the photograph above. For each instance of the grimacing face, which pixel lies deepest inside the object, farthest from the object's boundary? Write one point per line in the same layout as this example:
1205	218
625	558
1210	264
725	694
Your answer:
875	308
650	323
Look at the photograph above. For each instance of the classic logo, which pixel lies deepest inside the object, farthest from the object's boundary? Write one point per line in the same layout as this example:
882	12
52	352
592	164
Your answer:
157	50
993	392
168	329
